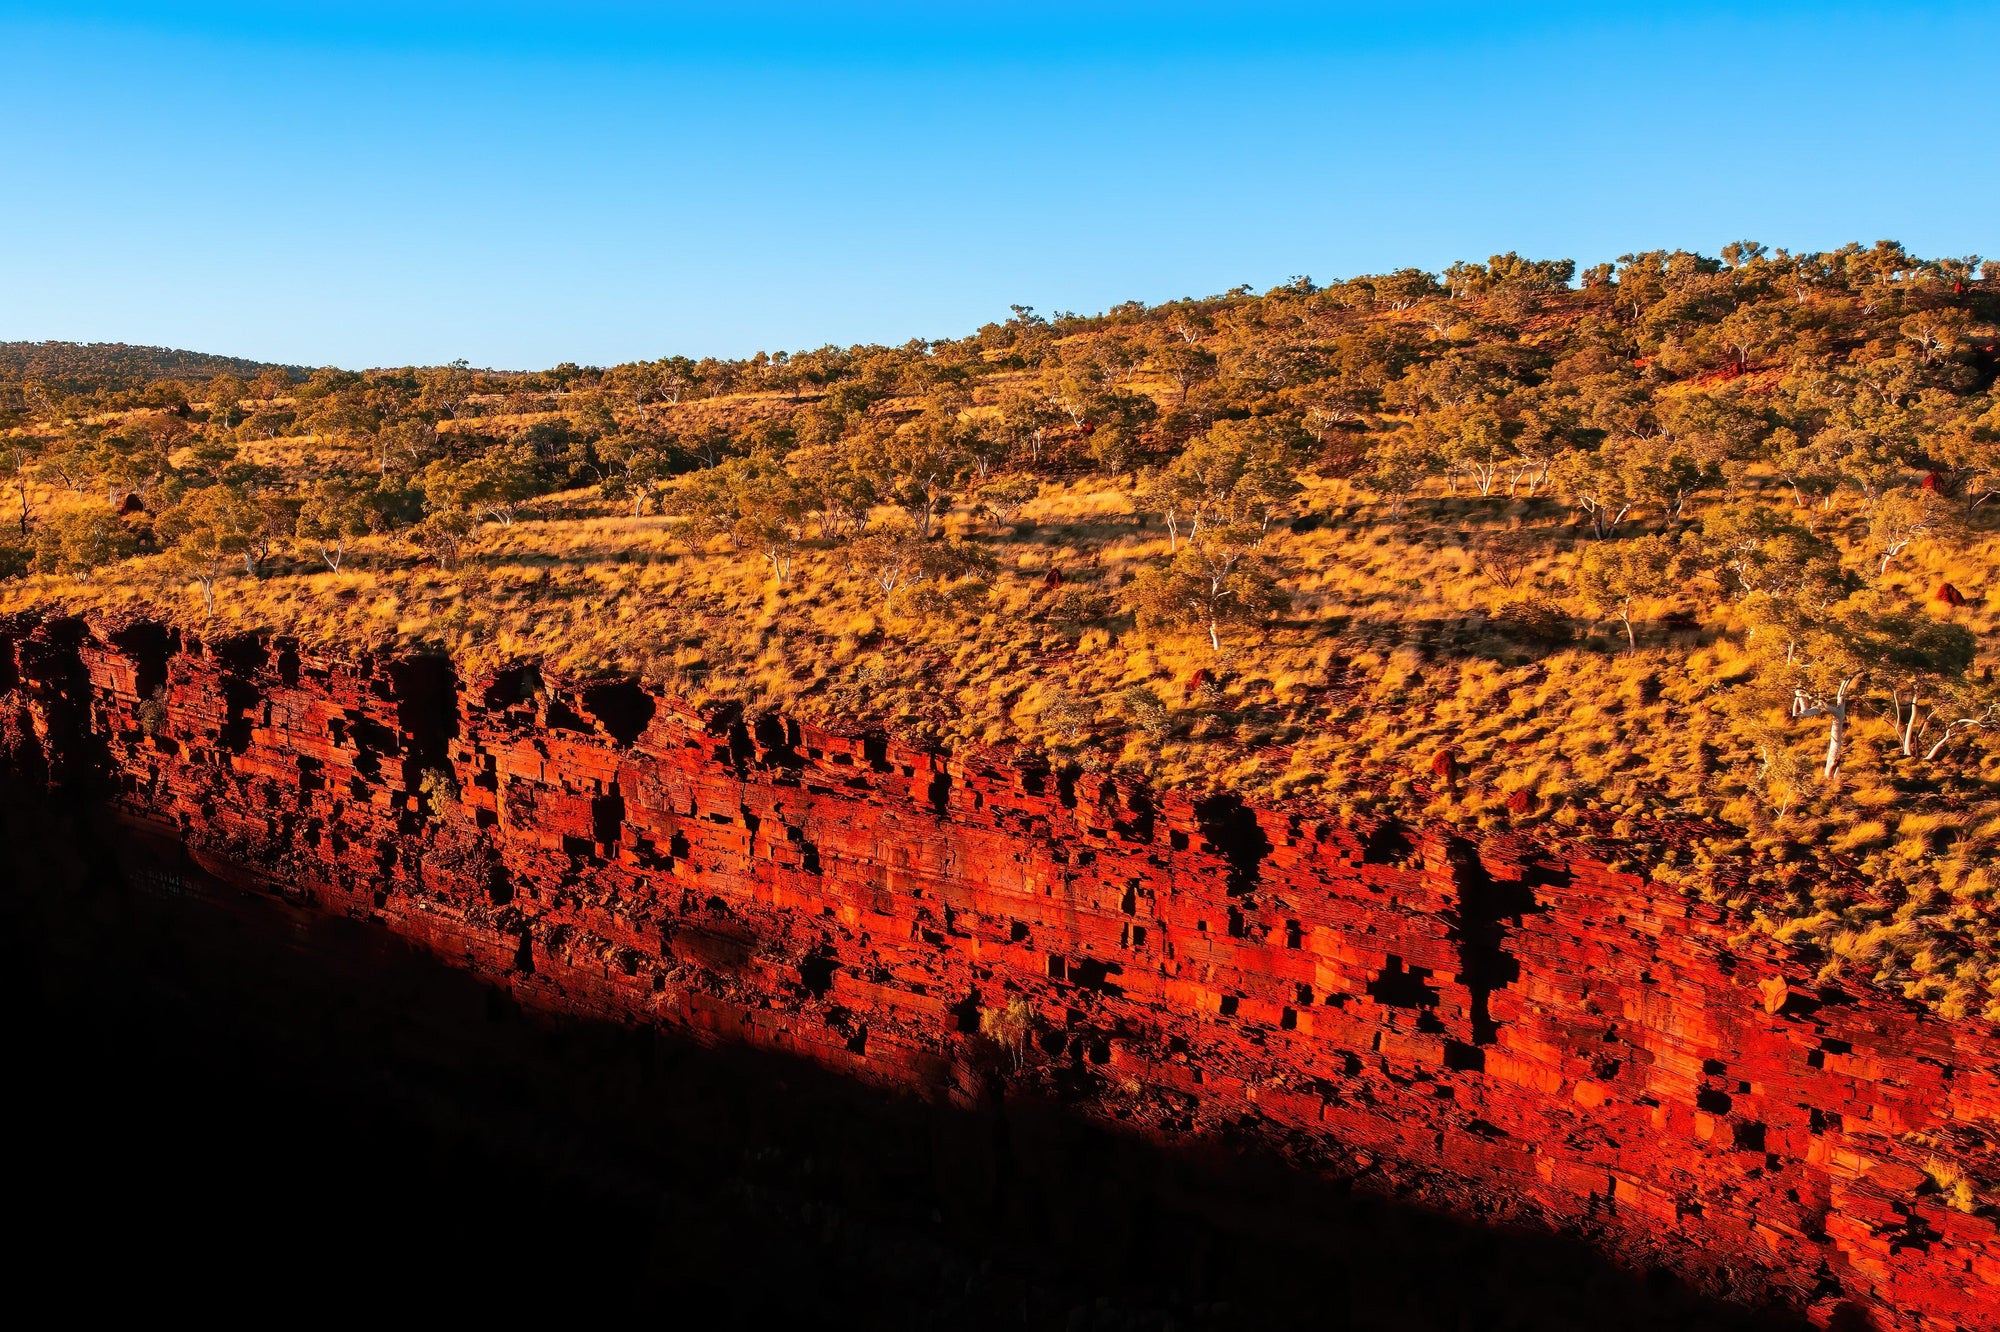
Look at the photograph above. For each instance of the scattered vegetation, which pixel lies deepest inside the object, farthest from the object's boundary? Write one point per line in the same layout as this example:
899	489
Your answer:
1694	558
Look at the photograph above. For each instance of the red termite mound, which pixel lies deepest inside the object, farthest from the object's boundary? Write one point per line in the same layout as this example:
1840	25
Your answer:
1526	1037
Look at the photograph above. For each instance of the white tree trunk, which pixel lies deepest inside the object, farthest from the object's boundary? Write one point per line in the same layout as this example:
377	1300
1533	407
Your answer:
1836	739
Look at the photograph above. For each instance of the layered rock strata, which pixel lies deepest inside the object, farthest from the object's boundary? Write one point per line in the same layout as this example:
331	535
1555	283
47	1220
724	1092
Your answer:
1498	1030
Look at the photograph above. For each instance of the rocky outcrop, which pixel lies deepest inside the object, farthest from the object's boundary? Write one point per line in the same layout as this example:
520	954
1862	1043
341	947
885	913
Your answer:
1501	1031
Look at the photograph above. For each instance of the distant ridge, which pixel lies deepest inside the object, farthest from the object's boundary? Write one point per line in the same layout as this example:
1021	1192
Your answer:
76	367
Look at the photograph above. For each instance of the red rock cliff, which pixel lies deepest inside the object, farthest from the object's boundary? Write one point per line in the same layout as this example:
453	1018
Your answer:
1486	1026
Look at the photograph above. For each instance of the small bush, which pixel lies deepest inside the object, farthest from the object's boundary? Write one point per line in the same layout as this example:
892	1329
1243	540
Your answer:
1953	1184
1148	713
1535	617
440	792
1009	1027
1069	717
152	712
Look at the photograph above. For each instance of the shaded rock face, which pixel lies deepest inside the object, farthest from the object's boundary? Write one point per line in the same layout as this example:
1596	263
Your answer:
1498	1032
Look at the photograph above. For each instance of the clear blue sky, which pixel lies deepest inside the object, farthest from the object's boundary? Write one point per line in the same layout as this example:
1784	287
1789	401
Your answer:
368	184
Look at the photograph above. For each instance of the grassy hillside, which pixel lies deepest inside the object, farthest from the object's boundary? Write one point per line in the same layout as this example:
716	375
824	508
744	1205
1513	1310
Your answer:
61	369
1617	557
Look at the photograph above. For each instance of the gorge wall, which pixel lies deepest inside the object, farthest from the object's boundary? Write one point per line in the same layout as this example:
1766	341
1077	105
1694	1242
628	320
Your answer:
1482	1027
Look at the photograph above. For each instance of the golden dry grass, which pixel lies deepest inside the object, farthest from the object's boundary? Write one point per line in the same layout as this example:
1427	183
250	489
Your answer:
1388	654
1394	650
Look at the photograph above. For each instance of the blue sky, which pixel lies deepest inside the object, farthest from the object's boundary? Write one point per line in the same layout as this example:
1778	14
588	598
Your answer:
370	184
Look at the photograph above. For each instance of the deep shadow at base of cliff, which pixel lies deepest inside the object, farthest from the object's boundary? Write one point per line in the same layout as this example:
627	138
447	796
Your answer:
231	1101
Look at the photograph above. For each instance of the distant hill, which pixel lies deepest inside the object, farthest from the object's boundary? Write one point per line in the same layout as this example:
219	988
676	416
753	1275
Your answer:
77	367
